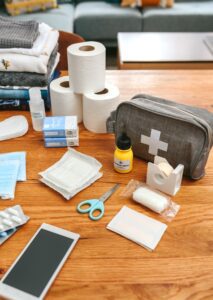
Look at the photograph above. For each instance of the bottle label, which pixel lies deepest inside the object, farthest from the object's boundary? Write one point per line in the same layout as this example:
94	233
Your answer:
121	164
38	115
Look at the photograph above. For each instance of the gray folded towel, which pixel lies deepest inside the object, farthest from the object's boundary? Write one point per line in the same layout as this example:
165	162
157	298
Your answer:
29	79
17	34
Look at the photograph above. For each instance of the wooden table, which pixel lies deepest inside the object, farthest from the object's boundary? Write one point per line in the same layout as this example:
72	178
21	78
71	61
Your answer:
176	50
105	265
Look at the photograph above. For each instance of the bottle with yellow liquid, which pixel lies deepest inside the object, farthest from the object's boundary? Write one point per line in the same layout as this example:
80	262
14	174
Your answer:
123	155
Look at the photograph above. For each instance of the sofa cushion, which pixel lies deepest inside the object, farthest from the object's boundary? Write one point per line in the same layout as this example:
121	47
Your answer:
102	21
60	18
185	17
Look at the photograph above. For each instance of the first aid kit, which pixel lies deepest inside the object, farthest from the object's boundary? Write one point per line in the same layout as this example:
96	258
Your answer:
179	133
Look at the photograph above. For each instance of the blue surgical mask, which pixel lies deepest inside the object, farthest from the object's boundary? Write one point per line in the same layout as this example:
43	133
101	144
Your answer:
8	176
20	156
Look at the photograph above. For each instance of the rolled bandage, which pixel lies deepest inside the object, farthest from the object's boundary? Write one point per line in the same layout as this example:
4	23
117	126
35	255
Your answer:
150	199
165	168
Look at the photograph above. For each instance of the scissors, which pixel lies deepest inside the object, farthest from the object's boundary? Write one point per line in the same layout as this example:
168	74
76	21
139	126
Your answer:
96	204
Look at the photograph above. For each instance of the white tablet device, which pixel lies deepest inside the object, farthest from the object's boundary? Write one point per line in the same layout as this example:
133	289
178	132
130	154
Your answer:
31	275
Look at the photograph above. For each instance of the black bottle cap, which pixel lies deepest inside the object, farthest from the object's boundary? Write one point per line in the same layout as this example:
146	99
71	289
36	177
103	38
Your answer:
123	142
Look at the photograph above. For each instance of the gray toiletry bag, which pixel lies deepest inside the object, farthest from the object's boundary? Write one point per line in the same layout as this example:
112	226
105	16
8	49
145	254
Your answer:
182	134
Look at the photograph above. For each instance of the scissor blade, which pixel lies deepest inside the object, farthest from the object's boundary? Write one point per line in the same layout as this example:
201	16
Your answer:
109	192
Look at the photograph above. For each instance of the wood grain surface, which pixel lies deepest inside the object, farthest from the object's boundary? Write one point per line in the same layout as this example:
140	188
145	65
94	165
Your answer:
105	265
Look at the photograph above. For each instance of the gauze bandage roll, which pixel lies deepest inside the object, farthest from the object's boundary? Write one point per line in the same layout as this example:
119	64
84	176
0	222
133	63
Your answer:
98	106
150	199
64	101
86	65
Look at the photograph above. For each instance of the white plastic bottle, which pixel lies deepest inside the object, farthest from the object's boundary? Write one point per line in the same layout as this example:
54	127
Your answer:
37	108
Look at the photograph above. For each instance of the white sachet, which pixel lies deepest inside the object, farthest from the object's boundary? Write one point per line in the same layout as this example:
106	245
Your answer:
137	227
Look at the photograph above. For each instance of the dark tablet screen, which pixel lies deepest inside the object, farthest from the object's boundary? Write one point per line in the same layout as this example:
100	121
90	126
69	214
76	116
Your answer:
38	263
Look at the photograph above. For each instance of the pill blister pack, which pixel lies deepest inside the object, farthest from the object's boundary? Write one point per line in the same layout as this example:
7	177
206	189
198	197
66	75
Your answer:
11	218
7	234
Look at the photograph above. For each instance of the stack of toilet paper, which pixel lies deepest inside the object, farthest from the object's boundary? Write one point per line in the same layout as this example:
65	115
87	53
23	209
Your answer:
85	92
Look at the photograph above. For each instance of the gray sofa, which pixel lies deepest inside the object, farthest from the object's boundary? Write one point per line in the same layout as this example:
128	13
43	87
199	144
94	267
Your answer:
99	20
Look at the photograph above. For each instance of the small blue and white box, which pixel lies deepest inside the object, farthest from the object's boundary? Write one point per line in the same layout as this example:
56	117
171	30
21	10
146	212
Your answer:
61	142
61	126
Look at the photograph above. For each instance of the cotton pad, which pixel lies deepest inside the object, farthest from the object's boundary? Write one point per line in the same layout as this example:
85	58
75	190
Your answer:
13	127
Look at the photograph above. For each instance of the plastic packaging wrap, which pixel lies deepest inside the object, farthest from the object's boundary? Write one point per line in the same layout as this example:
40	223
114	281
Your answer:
151	198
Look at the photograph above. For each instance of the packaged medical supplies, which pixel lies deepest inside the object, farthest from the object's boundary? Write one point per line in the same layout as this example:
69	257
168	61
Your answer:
72	173
137	227
11	219
151	198
61	131
62	126
179	133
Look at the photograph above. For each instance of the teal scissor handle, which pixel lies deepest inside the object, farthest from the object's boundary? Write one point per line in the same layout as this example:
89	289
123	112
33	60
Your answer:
94	205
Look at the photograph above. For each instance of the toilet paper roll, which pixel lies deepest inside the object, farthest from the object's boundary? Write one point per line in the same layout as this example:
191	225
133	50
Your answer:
98	106
63	100
150	199
86	65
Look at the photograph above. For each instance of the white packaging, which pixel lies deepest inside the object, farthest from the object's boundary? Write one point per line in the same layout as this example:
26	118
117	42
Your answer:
151	198
137	227
72	173
64	101
86	65
98	106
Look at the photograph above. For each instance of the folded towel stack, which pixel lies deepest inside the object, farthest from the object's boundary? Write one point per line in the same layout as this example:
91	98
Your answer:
28	58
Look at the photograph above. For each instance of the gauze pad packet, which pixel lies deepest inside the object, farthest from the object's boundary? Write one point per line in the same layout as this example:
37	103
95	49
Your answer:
137	227
13	127
72	173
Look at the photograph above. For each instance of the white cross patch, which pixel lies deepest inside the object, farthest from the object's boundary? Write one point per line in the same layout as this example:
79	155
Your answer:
154	142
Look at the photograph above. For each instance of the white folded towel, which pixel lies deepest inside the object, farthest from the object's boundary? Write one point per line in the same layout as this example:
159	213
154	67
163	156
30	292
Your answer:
32	60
